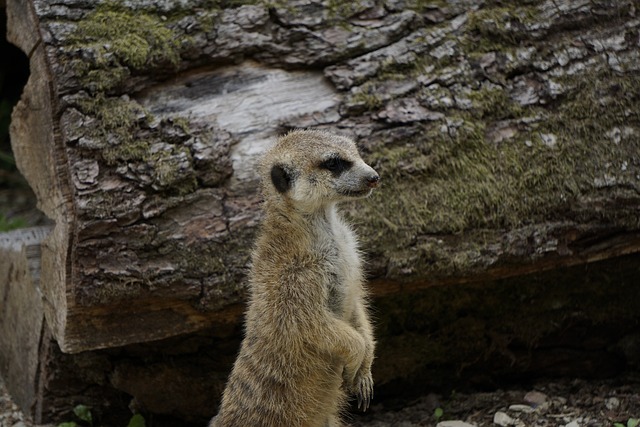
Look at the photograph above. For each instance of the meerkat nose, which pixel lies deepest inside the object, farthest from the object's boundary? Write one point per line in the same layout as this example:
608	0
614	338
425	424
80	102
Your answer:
373	180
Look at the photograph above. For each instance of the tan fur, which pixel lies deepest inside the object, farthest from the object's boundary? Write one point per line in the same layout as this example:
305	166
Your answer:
308	340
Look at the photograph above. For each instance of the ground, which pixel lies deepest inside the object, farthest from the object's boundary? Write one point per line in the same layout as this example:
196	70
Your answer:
564	402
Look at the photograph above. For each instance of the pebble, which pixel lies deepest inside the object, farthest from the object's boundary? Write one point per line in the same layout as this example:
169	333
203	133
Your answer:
572	424
454	423
612	403
535	398
505	420
560	400
521	408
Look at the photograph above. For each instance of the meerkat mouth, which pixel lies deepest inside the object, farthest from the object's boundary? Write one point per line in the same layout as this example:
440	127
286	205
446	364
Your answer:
356	193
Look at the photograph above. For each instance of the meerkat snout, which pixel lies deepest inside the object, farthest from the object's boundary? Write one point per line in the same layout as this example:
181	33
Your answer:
373	180
358	181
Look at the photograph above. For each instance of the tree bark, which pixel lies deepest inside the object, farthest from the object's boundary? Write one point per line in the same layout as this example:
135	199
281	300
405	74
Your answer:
506	136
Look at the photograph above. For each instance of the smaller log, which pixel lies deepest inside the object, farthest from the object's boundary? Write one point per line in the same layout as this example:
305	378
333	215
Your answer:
22	316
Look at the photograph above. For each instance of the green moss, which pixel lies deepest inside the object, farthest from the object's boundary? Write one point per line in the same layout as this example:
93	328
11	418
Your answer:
444	201
129	151
453	179
344	9
597	104
421	6
455	176
504	23
168	170
365	101
445	184
114	114
118	120
138	40
182	123
120	40
493	102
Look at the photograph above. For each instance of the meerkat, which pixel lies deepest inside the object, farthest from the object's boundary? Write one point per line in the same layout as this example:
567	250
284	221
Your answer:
308	343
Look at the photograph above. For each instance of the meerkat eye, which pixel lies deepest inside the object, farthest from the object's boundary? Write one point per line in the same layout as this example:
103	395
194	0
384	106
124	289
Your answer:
335	164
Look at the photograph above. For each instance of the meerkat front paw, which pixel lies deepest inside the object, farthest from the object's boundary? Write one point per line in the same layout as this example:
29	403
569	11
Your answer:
363	388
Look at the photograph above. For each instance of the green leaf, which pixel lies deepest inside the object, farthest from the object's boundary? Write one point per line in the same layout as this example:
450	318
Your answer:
438	413
84	413
136	421
69	424
618	425
633	422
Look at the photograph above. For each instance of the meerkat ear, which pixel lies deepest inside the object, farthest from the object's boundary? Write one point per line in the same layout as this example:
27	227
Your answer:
281	178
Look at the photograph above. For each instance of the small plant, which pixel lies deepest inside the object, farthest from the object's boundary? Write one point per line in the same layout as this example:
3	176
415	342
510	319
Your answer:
631	422
83	413
136	421
8	224
438	413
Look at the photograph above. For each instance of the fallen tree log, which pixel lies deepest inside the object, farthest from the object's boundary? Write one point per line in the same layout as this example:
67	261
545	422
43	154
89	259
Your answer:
507	138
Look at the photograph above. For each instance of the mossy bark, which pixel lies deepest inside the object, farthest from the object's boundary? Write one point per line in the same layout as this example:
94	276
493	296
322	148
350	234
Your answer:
507	139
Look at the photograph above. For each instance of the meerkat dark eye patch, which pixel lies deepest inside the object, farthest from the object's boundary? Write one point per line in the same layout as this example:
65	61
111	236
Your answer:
281	178
336	165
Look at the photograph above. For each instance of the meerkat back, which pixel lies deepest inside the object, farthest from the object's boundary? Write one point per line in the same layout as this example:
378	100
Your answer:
308	341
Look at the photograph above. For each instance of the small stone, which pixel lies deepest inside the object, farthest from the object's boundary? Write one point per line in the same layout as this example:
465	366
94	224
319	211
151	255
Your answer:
548	139
535	398
521	408
615	134
503	419
572	424
612	403
454	423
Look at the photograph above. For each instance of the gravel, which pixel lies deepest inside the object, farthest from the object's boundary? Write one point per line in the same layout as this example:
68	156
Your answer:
558	403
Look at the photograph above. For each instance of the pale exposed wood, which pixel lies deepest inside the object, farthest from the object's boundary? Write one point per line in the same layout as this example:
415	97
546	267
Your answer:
249	101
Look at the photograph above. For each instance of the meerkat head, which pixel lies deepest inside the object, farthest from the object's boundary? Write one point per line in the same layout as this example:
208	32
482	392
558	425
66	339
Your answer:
311	169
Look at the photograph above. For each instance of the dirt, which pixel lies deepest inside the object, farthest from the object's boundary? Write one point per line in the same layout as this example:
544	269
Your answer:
565	402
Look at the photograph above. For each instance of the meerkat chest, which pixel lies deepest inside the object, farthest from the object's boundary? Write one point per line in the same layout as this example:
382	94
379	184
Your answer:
342	269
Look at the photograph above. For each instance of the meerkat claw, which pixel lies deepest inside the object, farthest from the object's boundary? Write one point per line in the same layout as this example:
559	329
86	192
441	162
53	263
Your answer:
364	392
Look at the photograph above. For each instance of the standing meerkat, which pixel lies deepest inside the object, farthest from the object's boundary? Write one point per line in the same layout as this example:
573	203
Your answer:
308	341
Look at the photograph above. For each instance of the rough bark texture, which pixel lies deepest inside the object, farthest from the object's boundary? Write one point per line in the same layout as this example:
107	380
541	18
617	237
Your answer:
507	138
